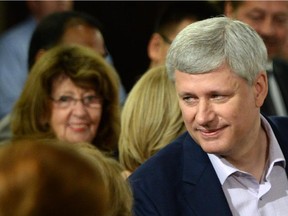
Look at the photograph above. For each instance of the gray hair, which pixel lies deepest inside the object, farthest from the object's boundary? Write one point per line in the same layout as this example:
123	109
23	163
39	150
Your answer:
206	45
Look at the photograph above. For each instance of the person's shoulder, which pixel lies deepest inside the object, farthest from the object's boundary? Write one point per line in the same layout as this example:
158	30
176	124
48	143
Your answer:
158	180
15	41
280	65
279	125
279	121
22	29
280	61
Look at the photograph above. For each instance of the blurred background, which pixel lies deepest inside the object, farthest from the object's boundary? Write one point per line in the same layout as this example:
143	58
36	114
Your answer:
128	26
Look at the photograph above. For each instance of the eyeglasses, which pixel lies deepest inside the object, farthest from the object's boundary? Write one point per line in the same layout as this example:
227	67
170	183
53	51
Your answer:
165	39
90	101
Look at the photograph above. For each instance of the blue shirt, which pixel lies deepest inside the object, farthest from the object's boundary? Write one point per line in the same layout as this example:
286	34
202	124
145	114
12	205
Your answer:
14	63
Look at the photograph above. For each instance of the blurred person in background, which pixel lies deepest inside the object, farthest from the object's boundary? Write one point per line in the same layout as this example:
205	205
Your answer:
49	177
270	20
171	20
150	119
14	45
68	27
71	94
120	193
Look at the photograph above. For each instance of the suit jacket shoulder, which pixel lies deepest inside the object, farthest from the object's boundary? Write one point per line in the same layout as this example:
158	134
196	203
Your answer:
178	180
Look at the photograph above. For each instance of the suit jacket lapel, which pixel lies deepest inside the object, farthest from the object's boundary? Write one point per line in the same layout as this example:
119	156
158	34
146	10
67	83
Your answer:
280	127
202	189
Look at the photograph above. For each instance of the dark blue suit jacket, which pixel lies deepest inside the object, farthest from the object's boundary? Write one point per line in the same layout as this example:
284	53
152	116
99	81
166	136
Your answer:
180	180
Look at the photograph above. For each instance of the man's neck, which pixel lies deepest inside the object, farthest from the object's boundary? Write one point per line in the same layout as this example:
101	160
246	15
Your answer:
254	161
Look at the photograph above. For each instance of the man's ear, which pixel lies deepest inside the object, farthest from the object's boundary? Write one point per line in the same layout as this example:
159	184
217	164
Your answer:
261	88
154	48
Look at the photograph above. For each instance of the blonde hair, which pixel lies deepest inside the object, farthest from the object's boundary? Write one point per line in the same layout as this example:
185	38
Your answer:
120	194
86	69
151	118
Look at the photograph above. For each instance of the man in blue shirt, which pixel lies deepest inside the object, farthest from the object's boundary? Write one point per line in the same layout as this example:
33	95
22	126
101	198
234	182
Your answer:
14	51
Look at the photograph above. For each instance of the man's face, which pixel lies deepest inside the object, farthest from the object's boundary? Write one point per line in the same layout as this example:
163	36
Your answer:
268	18
221	110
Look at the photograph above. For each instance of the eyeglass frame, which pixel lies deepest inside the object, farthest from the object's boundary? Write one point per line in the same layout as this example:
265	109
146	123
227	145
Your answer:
73	101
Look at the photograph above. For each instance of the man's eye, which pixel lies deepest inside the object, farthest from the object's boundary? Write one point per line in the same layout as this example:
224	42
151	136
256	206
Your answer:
255	16
189	99
281	20
217	97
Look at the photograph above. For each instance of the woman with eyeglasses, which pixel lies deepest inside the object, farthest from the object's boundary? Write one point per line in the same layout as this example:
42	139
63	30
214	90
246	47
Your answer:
71	94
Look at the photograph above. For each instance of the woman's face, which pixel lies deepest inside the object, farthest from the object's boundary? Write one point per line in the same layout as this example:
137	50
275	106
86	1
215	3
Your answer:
75	112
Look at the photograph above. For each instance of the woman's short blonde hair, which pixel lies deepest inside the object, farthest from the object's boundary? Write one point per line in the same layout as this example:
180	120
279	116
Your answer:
86	69
151	118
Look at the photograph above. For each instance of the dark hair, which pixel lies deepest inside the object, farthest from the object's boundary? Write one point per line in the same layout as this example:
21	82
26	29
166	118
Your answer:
175	12
50	30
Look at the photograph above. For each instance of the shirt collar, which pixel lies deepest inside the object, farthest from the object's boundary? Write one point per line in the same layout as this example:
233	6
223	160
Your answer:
224	169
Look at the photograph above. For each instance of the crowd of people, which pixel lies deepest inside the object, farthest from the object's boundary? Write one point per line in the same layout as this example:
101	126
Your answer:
201	132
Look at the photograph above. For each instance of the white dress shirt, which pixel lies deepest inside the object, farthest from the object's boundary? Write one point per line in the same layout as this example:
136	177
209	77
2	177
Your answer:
245	195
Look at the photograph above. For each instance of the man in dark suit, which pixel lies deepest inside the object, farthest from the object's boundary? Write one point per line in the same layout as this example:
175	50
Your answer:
232	159
270	20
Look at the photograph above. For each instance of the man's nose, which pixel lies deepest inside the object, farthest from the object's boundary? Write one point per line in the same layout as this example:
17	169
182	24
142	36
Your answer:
205	112
266	27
